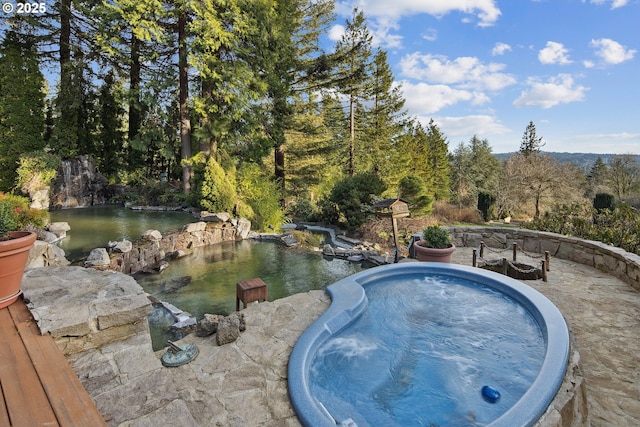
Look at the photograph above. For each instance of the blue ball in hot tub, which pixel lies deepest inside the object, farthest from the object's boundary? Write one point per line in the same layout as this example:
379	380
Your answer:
490	394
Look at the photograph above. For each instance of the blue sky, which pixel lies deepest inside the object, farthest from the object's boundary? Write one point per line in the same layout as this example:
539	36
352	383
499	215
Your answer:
488	68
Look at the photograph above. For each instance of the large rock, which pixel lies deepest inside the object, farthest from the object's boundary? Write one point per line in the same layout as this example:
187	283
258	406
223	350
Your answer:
121	247
152	235
195	226
244	228
40	199
215	217
44	254
229	328
84	308
98	258
208	325
59	229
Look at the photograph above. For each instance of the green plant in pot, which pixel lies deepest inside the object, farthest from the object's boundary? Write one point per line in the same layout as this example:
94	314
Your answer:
435	245
15	215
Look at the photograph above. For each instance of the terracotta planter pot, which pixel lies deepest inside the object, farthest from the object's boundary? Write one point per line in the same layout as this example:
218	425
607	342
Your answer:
14	254
431	254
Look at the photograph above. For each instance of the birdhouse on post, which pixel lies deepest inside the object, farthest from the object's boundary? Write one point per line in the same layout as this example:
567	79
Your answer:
394	208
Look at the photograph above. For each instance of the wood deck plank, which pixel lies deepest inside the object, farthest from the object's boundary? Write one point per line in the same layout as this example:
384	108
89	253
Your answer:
4	416
26	402
71	403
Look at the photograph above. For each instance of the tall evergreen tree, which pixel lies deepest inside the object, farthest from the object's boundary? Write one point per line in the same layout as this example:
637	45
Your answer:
353	79
183	102
475	170
313	162
22	118
531	143
384	119
596	178
438	162
110	126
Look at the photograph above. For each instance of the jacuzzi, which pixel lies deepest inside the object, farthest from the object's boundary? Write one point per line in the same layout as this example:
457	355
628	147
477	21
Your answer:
429	344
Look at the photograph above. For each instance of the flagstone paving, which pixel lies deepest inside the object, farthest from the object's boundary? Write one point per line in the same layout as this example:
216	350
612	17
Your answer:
244	384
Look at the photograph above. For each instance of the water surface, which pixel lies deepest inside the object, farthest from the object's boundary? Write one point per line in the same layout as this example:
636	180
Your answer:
93	227
423	350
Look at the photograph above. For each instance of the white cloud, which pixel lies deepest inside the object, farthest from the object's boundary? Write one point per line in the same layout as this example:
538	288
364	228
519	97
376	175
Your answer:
424	99
487	11
614	3
611	51
500	49
554	53
467	72
381	32
466	126
431	34
336	32
557	90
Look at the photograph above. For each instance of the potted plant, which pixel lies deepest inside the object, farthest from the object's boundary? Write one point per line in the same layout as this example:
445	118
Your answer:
435	245
15	245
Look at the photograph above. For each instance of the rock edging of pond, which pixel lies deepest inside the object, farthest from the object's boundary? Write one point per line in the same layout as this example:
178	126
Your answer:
152	252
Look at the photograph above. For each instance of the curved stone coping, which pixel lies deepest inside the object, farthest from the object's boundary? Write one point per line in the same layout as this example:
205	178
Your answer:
609	259
349	301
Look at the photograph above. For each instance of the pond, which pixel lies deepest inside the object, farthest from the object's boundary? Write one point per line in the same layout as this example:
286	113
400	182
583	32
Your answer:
205	281
93	227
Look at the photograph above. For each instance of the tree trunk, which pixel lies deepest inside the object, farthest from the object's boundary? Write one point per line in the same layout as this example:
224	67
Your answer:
279	162
65	38
185	121
135	113
352	136
134	89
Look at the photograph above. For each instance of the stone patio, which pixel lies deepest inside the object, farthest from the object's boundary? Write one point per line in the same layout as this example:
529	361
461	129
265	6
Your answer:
245	383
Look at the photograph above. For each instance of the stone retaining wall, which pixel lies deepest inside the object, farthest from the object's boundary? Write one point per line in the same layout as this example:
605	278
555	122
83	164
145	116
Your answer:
609	259
150	252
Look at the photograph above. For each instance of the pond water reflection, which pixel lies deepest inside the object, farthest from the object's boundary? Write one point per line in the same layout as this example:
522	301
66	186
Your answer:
205	281
93	227
215	270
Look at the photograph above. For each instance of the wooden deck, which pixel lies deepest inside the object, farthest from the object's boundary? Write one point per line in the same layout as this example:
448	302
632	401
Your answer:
37	384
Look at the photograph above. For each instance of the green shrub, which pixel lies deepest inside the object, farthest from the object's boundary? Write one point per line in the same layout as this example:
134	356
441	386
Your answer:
353	197
262	194
15	214
485	204
217	192
619	227
603	201
302	209
36	170
436	237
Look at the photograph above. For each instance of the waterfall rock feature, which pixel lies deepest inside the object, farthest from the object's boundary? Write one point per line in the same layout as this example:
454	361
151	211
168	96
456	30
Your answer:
79	184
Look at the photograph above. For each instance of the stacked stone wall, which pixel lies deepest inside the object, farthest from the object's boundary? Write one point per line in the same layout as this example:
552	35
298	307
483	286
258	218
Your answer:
150	252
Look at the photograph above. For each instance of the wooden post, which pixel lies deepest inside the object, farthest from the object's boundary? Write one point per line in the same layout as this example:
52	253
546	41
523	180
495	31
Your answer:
505	267
547	260
394	223
474	259
481	249
515	250
544	270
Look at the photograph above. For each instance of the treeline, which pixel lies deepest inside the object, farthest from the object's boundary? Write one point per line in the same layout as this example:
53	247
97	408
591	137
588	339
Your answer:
238	103
191	89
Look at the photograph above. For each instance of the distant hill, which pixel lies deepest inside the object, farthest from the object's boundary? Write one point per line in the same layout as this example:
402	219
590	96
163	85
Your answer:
583	160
